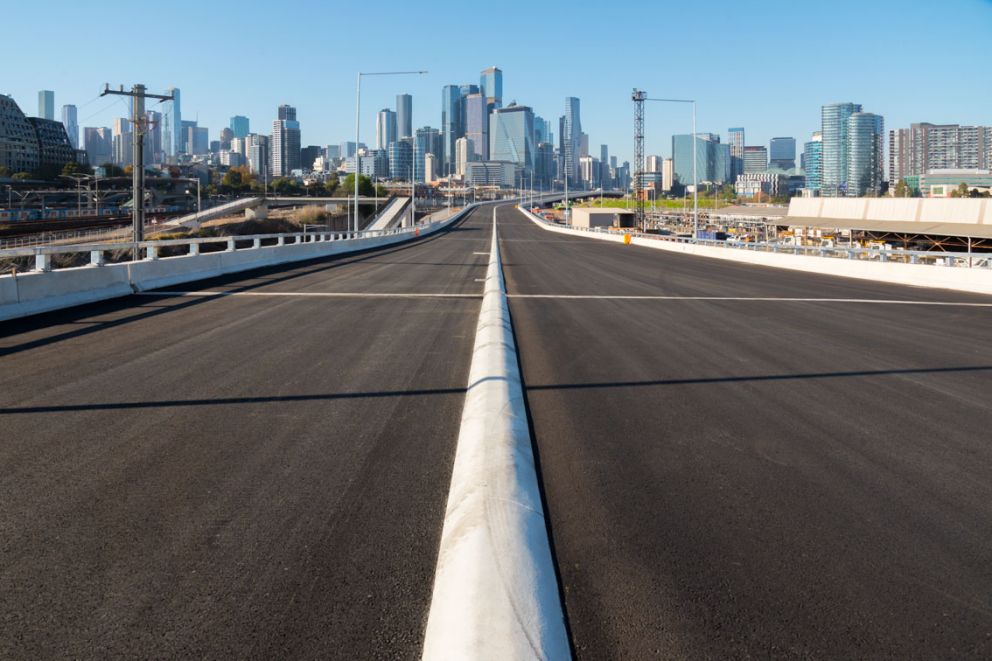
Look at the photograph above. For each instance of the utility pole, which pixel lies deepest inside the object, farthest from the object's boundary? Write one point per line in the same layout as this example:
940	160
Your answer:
140	128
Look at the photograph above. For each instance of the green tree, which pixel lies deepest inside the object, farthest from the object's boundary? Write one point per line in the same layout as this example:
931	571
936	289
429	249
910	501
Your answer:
331	185
903	189
73	167
285	186
5	171
963	190
365	187
21	176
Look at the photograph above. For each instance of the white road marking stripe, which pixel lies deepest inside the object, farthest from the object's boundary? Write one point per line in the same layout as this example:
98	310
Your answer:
305	294
481	253
877	301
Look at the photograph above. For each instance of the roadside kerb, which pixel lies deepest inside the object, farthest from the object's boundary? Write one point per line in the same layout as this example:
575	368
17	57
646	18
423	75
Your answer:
975	280
495	589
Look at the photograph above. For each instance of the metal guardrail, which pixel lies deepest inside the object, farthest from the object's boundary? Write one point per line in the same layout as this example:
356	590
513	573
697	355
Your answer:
943	259
149	250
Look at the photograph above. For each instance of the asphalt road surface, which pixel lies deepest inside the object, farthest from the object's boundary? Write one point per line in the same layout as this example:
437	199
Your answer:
764	479
256	475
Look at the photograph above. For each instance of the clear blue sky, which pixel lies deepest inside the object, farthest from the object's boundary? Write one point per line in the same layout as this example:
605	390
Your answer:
767	66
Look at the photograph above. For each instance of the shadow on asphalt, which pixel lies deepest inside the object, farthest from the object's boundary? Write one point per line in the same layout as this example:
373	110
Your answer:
759	378
225	401
381	394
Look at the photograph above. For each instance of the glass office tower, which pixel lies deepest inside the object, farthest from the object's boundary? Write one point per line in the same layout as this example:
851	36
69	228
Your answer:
834	161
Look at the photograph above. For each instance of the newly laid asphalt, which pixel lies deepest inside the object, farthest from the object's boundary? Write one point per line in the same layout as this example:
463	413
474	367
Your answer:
755	479
263	474
259	475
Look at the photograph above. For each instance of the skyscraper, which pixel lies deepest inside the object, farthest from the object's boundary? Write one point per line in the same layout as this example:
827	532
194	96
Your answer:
736	141
71	124
511	136
427	141
834	175
755	159
46	104
121	147
404	116
712	158
812	161
172	122
477	125
451	117
864	154
491	87
571	139
241	126
782	153
285	142
385	128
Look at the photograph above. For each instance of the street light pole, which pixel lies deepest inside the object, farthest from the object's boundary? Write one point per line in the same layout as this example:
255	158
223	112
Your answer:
358	105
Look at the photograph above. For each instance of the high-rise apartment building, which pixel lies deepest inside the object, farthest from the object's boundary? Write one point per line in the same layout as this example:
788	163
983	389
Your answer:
782	153
813	161
511	136
477	125
755	159
172	122
404	116
71	124
285	142
653	163
834	158
924	147
570	132
385	128
463	155
46	104
453	120
259	155
491	87
240	126
400	155
865	169
736	141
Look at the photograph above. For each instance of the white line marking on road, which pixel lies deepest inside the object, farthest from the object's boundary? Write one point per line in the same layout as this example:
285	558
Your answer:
480	279
481	253
304	294
876	301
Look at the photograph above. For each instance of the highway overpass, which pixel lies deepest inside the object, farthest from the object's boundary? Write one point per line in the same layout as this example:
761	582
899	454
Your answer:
734	460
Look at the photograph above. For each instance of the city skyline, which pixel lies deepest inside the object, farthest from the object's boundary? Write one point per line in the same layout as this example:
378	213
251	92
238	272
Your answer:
541	80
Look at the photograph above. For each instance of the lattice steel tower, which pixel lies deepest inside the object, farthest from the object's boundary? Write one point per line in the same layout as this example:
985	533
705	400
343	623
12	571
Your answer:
638	97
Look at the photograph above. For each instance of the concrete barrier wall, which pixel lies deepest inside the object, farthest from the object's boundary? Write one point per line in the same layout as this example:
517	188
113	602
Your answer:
495	592
35	292
917	275
908	210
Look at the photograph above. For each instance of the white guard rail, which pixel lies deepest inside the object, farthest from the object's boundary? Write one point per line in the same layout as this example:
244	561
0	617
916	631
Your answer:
46	288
